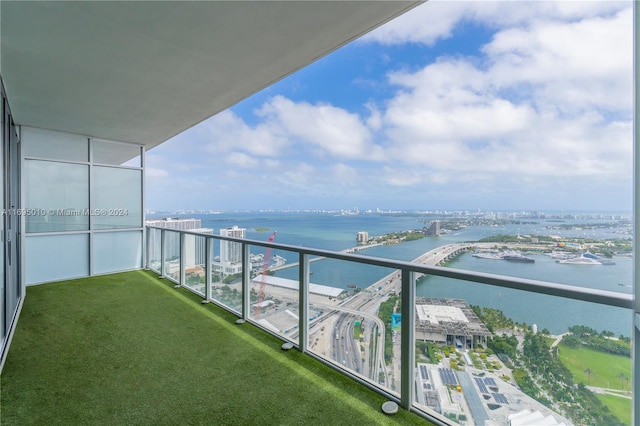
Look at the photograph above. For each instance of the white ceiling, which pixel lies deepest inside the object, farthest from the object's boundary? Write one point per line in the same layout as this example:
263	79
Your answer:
145	71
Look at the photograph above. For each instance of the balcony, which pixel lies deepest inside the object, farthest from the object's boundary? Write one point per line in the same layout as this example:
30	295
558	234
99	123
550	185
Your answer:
120	354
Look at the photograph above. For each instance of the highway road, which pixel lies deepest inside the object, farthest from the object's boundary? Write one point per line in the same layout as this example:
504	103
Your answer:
346	350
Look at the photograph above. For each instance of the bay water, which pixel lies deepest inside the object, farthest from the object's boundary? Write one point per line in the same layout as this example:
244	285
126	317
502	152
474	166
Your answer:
338	232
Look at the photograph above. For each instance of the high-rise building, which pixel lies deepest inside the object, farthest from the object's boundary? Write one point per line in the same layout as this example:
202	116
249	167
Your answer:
175	223
194	249
362	237
231	252
433	229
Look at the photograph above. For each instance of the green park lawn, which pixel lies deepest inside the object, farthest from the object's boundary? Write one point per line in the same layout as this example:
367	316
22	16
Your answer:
606	372
606	369
619	406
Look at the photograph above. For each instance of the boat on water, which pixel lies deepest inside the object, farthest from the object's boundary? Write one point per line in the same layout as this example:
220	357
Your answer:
586	259
488	255
278	260
509	255
517	258
598	258
561	255
579	260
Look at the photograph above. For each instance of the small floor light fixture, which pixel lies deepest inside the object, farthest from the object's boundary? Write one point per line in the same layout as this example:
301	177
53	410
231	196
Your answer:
390	408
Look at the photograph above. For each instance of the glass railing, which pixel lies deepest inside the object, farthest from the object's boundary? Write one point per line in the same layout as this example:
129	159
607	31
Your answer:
457	347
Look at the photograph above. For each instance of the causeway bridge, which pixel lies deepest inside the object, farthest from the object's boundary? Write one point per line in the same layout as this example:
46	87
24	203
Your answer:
433	257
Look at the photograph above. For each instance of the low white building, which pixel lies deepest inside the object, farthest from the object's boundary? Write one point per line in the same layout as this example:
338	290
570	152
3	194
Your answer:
449	321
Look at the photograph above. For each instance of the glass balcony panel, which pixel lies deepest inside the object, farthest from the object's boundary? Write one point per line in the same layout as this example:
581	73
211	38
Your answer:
274	291
226	273
46	261
226	289
484	353
172	255
357	321
116	251
195	263
154	249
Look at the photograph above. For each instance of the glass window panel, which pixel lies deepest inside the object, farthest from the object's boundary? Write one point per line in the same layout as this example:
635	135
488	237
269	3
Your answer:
117	201
54	145
117	251
56	257
56	196
116	153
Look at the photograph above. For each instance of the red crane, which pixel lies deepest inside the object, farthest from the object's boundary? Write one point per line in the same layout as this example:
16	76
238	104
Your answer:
265	271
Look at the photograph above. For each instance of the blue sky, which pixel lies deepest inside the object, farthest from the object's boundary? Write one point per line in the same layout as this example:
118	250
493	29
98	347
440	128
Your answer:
454	105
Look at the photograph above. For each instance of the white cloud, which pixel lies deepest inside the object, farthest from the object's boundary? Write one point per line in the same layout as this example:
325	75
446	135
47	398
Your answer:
374	121
572	66
155	172
345	175
241	160
533	107
332	130
401	177
302	174
226	132
425	24
436	20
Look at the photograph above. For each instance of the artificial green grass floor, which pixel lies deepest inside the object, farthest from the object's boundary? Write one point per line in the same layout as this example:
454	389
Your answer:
128	348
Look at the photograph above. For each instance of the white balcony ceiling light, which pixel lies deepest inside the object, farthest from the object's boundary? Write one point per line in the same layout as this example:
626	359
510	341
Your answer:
145	71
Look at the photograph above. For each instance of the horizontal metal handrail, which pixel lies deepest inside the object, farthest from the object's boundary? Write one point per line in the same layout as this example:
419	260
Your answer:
603	297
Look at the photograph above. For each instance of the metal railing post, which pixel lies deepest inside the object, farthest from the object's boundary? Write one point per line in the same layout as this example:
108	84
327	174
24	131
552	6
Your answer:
303	302
145	238
635	411
246	281
407	343
207	269
181	275
163	271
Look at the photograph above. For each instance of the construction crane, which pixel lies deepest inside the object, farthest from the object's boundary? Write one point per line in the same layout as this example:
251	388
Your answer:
257	310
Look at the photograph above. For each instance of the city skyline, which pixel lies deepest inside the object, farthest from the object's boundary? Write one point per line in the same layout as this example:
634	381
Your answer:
456	105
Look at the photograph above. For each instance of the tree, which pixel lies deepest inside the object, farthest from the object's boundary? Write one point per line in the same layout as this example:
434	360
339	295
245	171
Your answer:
588	372
622	377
